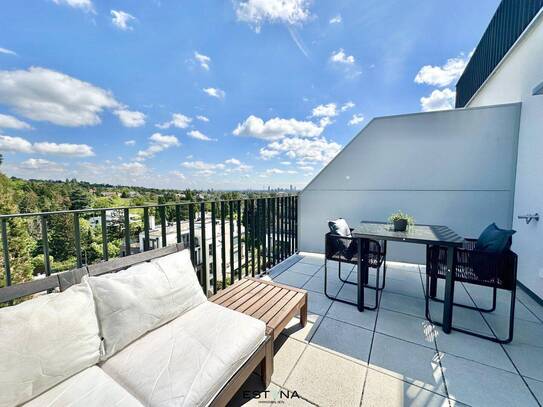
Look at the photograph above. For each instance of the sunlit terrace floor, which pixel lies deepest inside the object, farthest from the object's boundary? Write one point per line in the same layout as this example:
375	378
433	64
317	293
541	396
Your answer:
393	356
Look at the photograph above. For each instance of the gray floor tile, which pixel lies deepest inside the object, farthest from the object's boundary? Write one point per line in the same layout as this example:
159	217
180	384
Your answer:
525	332
292	279
528	359
313	258
384	390
406	327
334	381
473	348
349	292
466	380
462	318
287	353
537	388
316	283
402	303
317	303
294	329
303	268
405	287
346	339
349	313
407	361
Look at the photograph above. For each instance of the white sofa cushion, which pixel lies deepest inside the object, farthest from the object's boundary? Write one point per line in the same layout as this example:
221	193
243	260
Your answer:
90	388
45	340
189	360
143	297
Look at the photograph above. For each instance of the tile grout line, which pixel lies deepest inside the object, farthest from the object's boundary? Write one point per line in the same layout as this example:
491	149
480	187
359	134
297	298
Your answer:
508	356
436	347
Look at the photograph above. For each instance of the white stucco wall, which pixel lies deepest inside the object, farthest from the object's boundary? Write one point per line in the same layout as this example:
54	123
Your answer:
528	241
519	72
455	168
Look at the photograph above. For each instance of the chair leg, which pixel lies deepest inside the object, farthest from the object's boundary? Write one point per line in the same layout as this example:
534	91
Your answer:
475	308
433	287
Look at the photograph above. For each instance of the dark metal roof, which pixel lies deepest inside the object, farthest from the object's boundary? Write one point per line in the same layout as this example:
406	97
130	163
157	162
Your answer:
508	23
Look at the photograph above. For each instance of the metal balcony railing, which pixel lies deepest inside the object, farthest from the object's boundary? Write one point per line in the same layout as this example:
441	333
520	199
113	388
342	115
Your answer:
227	239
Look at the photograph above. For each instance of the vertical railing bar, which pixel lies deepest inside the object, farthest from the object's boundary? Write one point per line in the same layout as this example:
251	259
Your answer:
291	227
162	212
204	280
145	229
127	231
231	226
238	207
253	240
105	251
5	248
296	223
191	236
223	245
45	243
77	240
280	229
178	222
258	235
285	220
246	235
274	231
264	233
214	244
283	231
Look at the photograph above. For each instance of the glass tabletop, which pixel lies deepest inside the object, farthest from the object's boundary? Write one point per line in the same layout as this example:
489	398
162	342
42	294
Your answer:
422	234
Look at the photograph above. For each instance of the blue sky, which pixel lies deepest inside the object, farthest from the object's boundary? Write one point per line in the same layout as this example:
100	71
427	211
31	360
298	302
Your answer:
217	94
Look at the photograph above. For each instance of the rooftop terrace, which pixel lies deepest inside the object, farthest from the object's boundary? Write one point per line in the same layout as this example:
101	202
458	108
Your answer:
394	356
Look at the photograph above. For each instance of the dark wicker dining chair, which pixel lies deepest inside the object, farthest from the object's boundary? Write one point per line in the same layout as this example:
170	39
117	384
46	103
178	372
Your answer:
493	270
343	249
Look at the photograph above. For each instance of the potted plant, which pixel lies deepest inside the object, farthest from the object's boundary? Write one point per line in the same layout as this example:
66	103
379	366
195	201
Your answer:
400	221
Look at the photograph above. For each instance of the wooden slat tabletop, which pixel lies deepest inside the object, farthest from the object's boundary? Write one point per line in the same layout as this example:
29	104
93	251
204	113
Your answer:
275	304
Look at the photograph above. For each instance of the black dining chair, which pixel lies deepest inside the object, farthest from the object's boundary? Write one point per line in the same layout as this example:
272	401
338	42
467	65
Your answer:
493	270
343	249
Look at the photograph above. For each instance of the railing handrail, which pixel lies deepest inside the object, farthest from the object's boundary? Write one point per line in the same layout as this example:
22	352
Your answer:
114	208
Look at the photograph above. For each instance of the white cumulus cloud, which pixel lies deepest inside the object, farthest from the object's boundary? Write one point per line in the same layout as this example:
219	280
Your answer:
340	57
157	143
438	100
121	19
41	165
85	5
308	150
10	122
7	51
45	95
21	145
203	60
276	128
328	110
336	19
258	12
178	120
198	135
203	118
130	118
356	119
215	92
444	75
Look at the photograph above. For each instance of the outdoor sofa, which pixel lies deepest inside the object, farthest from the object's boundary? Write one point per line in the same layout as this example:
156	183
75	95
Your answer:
135	331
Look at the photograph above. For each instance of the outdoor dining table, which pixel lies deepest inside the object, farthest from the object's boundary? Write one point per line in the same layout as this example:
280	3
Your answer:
419	234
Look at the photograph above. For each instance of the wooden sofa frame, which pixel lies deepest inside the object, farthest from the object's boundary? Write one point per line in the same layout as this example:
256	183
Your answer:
262	357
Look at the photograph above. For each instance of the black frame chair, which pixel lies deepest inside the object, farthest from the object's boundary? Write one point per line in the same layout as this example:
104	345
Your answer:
336	249
493	270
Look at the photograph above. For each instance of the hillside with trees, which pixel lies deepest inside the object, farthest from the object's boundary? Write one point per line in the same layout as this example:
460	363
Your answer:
31	196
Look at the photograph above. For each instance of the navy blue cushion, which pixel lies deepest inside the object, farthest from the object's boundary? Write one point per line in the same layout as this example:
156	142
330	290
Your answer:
494	240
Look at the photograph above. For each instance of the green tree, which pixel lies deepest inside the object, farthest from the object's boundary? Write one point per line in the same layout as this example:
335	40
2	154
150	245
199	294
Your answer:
79	198
20	242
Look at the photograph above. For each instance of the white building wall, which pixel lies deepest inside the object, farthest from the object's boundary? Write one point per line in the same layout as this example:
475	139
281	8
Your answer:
528	241
519	72
455	168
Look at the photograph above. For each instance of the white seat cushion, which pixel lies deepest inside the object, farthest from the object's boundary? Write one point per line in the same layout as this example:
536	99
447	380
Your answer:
90	388
143	297
46	340
189	360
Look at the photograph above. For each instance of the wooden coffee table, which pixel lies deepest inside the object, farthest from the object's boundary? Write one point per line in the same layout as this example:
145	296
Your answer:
275	304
